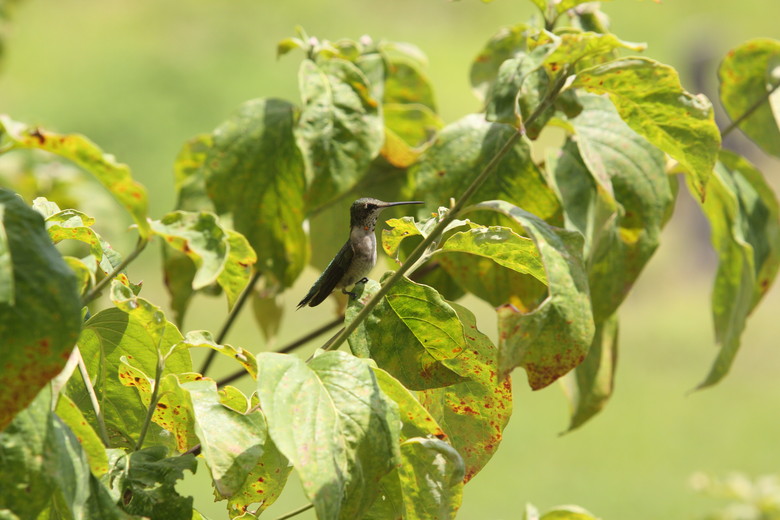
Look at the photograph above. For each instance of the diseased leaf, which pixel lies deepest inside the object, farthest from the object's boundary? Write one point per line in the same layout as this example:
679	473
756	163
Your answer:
648	97
475	412
553	338
507	43
114	176
495	264
254	172
93	448
745	78
745	231
584	48
45	471
431	474
621	218
412	333
40	322
333	423
407	83
203	338
237	271
590	385
459	153
340	129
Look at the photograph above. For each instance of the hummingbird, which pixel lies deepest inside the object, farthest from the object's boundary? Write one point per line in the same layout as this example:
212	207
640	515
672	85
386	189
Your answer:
356	257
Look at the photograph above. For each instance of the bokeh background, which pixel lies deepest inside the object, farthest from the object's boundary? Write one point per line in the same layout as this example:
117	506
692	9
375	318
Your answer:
140	77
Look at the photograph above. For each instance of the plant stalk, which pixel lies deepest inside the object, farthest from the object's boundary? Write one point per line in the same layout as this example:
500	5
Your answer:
92	397
152	402
749	112
229	321
295	512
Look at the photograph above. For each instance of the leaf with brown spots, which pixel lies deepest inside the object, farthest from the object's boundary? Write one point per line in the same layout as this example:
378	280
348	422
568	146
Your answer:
553	338
41	319
411	334
114	176
473	413
88	438
203	338
747	74
745	232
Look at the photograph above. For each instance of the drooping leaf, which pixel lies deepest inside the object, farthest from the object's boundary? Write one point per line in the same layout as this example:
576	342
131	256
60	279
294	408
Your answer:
40	322
145	480
330	419
412	333
590	385
622	217
93	448
340	129
203	338
268	310
585	48
431	474
237	271
506	44
45	470
745	231
407	83
462	149
746	78
473	413
408	130
254	171
552	339
648	97
495	264
114	176
189	174
108	336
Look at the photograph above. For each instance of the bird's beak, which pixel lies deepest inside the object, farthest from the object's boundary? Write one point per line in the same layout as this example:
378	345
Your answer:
390	204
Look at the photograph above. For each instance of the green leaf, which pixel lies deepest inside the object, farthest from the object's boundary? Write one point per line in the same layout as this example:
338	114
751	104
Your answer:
584	48
146	481
407	83
255	172
408	130
622	213
648	97
496	264
507	43
178	273
268	311
745	79
107	337
412	333
330	419
203	338
264	483
473	413
431	474
70	414
114	176
45	471
745	231
590	385
340	129
568	513
6	264
189	174
40	323
553	338
462	149
221	256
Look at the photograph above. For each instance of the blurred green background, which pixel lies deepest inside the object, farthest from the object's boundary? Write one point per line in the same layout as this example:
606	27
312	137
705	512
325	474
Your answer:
140	77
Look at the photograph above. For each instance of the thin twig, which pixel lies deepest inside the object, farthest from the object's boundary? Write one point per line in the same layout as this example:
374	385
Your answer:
749	112
295	512
92	397
449	217
338	320
95	292
230	319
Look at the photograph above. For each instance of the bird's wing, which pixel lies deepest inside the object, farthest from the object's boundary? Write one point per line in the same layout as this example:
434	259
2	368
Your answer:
329	278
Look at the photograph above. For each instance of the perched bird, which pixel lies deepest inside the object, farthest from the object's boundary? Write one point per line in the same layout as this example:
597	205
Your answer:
357	256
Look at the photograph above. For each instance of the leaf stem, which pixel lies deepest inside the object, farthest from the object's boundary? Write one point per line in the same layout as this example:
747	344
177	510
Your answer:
749	112
295	512
449	217
95	292
152	402
92	396
289	347
229	320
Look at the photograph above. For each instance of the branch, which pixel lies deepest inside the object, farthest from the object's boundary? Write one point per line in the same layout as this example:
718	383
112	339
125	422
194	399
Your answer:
95	292
749	112
230	319
289	347
449	217
153	401
295	512
92	397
